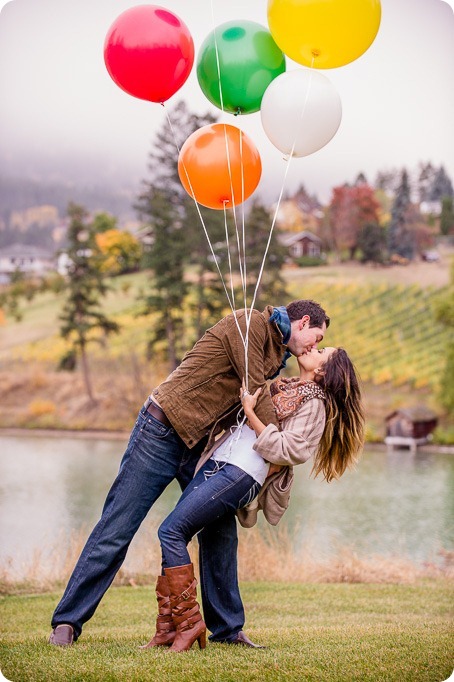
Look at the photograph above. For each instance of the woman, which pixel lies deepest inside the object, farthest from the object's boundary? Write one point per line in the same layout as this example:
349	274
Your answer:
321	415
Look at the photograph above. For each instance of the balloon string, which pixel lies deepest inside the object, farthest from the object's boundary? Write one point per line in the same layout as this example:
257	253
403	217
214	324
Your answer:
242	268
243	283
215	259
242	263
240	252
270	234
221	98
204	226
303	111
229	260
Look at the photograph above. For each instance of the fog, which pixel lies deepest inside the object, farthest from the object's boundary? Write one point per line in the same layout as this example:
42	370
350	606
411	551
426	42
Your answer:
62	117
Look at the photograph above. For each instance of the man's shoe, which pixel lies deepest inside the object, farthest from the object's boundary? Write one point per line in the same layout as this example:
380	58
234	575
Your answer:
242	639
62	635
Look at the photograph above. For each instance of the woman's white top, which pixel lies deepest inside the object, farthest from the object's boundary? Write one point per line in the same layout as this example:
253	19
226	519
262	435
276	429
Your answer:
237	449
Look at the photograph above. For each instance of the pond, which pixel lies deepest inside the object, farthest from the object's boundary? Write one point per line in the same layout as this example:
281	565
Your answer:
395	504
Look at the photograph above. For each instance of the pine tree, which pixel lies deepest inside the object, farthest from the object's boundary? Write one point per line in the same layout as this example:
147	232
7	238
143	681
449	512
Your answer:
272	287
82	317
372	242
168	288
361	179
387	180
425	180
441	186
164	206
400	238
447	216
208	301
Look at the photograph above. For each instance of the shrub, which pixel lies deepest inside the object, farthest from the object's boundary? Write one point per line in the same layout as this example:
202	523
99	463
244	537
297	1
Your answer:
309	261
39	407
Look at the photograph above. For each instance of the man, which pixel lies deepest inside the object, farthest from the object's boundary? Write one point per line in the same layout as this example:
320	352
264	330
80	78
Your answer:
184	414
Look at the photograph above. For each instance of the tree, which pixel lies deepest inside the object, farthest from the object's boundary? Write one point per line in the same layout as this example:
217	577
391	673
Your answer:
400	239
361	179
82	318
20	287
447	216
372	242
441	186
163	205
425	181
168	288
272	288
104	222
351	208
207	300
121	250
387	180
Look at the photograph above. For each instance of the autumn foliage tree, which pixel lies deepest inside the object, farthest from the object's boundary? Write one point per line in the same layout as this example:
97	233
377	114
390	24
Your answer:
350	210
122	251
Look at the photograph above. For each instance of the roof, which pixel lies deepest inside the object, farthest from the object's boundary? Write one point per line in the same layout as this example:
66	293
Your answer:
418	413
288	240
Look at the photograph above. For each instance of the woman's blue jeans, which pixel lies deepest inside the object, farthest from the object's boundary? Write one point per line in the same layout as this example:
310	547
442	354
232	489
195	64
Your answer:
155	455
213	494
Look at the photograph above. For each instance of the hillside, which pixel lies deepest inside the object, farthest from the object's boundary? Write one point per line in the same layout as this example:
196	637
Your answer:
383	317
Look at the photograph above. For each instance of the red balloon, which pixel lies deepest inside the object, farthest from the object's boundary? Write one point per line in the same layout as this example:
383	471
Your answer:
149	52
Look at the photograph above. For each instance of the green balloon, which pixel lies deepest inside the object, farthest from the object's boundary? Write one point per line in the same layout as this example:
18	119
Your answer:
249	60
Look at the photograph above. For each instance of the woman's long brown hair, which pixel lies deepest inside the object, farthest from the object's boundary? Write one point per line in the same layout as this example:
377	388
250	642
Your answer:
343	437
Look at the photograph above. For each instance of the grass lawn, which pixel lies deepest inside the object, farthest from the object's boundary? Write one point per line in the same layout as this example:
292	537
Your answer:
329	632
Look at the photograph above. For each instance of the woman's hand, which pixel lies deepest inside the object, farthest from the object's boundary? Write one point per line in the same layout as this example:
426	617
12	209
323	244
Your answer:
248	400
273	469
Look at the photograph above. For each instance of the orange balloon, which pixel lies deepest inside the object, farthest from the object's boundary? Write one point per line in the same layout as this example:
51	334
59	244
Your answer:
213	176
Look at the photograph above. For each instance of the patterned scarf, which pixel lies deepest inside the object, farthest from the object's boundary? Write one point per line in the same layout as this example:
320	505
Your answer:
288	394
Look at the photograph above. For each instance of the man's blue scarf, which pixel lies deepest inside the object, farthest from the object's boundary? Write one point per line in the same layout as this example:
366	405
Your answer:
281	318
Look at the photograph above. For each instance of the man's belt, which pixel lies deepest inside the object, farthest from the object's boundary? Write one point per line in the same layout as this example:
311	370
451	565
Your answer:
158	413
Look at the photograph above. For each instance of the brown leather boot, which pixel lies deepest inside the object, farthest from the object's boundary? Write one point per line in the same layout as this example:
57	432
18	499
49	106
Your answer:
185	609
165	629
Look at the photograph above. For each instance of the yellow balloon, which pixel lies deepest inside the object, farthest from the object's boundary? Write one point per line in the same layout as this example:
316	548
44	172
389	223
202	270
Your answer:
324	33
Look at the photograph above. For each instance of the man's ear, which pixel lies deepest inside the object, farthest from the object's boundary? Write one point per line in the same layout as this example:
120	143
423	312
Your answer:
305	321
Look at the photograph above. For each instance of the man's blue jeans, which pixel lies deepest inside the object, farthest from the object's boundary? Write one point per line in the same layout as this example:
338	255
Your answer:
155	455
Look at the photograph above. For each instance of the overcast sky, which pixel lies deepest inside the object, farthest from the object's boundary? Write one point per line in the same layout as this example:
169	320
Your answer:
57	99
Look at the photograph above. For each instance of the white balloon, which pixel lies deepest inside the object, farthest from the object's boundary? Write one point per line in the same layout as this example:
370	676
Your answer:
301	110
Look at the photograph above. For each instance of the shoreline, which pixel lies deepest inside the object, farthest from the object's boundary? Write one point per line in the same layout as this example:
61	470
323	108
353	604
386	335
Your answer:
99	434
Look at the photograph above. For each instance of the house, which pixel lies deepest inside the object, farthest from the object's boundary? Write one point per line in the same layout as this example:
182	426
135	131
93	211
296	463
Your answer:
303	243
31	260
410	427
299	213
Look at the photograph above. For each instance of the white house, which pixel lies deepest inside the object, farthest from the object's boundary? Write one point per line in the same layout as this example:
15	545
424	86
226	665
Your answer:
31	260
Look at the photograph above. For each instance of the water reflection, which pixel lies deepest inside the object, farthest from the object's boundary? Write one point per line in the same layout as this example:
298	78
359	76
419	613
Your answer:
392	504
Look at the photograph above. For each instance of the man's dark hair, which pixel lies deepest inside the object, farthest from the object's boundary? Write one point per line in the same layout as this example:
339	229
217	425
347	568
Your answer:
297	309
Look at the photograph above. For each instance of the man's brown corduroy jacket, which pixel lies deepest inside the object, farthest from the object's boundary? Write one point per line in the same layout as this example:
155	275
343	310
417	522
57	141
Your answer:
202	395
